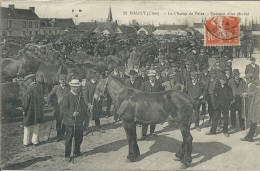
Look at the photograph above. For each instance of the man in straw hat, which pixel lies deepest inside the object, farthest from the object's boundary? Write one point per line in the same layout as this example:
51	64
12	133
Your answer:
75	114
196	90
33	114
222	97
149	86
55	97
254	114
236	83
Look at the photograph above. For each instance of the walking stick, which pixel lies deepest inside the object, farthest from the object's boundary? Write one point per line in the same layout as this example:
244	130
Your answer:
73	141
244	104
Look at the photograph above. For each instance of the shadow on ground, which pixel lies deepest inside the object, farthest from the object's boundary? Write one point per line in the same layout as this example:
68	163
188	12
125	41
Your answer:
22	165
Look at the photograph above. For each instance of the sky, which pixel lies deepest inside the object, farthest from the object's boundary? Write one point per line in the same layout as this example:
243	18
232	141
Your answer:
145	12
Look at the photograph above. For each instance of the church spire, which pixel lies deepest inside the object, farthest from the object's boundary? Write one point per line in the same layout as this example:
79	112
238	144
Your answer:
110	18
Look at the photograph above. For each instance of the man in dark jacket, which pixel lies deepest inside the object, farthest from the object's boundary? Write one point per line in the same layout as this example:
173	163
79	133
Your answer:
253	69
33	115
132	81
94	106
55	97
204	77
202	59
75	114
196	90
236	83
149	86
222	97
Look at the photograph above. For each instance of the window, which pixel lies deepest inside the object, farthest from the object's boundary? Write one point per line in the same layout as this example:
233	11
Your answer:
44	32
30	24
55	32
36	33
49	31
30	33
24	33
24	24
36	24
10	24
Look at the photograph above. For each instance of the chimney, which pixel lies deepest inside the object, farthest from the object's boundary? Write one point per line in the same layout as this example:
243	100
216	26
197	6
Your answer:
116	21
11	6
32	8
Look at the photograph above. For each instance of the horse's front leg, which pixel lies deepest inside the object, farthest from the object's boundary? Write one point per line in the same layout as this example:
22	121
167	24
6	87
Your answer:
130	130
184	153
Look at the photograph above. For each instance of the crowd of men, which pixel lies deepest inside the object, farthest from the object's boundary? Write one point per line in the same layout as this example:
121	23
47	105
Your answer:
218	90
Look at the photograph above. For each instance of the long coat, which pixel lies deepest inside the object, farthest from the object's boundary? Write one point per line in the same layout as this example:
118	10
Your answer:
250	91
222	97
254	114
88	97
135	85
254	71
236	90
55	97
70	104
33	103
147	87
168	85
202	59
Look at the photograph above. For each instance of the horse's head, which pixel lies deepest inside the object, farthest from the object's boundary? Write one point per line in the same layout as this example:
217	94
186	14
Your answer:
101	88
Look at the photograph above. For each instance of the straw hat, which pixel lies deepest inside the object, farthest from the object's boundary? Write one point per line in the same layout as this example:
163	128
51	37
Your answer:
75	83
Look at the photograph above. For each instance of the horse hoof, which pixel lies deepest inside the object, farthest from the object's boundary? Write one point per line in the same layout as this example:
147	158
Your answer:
184	166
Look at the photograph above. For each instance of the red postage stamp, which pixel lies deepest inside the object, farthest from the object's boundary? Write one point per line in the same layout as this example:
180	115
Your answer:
222	31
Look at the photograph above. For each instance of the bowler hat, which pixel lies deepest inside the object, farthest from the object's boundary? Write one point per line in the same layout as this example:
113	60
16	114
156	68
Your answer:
94	76
227	68
122	69
62	77
249	75
75	83
132	73
252	59
223	77
157	70
236	72
30	76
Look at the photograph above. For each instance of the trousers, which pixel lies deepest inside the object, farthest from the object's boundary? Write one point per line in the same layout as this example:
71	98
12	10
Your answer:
145	128
215	118
31	131
60	127
68	140
252	130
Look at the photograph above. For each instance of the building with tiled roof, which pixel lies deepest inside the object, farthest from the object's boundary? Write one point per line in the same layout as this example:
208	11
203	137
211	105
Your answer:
54	26
126	30
147	30
19	22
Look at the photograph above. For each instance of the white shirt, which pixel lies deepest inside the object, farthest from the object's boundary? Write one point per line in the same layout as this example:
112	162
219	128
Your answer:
152	83
248	85
253	65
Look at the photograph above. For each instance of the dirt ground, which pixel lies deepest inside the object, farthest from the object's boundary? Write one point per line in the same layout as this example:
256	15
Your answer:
108	151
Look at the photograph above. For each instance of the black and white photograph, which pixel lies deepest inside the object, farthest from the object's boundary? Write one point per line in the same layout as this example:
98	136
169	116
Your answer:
129	85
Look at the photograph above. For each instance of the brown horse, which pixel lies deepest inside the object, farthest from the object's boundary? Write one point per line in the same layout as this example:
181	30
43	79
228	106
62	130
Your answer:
134	106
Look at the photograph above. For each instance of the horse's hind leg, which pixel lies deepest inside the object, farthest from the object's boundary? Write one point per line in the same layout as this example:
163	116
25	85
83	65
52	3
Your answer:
130	130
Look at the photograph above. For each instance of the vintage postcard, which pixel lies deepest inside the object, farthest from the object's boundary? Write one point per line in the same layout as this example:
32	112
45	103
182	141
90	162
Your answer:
130	85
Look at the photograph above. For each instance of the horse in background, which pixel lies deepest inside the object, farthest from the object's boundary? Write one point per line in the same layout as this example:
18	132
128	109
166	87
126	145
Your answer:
134	106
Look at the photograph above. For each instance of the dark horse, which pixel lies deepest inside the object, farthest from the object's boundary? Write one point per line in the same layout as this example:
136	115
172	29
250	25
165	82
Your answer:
134	106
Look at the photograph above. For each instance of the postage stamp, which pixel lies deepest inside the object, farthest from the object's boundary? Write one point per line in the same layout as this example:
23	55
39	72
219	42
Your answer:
222	30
